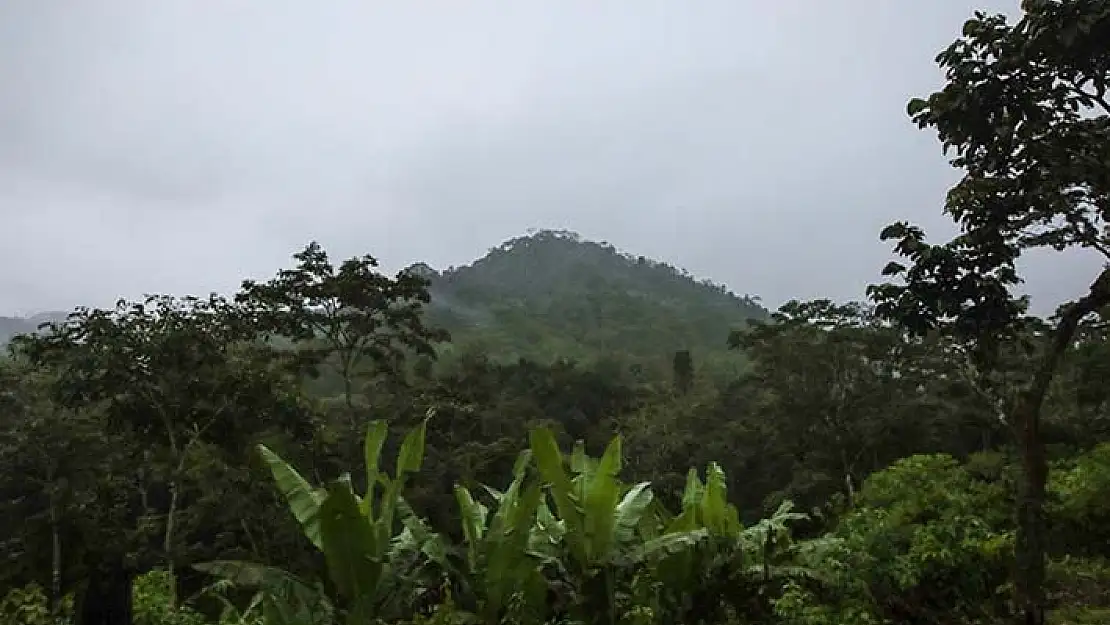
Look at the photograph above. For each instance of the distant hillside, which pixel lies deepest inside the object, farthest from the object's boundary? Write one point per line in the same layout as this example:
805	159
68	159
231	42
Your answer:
552	294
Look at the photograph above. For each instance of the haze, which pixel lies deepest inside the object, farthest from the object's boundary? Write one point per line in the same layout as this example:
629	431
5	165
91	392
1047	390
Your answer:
179	146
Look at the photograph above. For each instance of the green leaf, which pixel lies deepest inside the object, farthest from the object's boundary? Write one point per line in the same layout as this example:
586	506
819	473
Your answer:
411	456
915	106
718	516
692	494
351	548
549	461
630	510
375	438
668	545
303	500
600	503
472	515
248	574
893	268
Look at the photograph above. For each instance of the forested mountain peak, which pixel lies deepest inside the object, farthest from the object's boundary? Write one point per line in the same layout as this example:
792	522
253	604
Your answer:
552	293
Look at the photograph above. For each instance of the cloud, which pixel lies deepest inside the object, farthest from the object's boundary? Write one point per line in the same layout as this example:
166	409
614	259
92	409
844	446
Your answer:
180	145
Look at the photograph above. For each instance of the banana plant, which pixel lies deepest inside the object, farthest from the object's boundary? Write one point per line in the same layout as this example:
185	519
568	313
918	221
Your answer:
502	575
356	533
284	599
732	561
600	520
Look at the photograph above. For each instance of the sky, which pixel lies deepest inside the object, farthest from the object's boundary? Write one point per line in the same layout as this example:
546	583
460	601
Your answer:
179	146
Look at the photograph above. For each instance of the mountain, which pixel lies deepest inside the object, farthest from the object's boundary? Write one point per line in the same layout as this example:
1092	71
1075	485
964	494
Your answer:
552	294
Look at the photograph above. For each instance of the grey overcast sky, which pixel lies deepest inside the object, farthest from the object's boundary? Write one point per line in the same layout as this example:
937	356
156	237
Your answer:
181	145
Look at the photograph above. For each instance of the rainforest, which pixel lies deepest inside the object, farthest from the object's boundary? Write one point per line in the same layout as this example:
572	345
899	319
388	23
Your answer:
561	432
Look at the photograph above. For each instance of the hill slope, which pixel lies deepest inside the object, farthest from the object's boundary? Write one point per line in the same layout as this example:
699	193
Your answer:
552	294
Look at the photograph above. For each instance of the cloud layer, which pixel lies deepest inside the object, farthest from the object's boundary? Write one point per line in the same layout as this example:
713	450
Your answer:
180	145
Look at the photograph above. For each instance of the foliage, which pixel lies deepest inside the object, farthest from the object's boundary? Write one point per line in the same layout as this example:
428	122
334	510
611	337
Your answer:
925	541
553	295
539	489
352	313
567	540
1025	112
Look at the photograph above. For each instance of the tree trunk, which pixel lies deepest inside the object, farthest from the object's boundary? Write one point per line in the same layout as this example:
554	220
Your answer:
55	562
168	539
1030	549
106	599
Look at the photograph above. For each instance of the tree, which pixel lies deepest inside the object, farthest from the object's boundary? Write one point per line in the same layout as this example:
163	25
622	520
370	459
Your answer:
175	380
840	394
1026	113
50	461
353	313
683	370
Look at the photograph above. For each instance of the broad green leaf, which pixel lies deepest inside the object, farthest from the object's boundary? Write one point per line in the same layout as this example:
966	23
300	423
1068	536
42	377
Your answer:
351	548
601	501
375	438
549	461
630	510
303	500
411	456
692	494
668	545
508	563
248	574
579	461
611	460
717	514
473	517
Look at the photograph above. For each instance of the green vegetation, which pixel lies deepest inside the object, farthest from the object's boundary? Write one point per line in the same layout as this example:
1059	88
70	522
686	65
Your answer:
574	439
553	294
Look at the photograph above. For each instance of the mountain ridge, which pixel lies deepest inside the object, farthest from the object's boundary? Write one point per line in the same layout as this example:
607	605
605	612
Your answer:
552	294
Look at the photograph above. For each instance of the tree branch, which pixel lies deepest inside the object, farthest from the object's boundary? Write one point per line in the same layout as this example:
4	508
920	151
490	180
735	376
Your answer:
1070	316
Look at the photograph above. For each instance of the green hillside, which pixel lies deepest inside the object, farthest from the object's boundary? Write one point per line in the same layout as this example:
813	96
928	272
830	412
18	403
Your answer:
551	294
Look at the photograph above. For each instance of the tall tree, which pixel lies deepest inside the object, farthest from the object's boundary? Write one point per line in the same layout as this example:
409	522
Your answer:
353	314
50	461
1025	111
683	371
174	379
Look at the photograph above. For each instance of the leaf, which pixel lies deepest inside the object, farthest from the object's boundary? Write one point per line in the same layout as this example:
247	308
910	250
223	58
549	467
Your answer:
472	515
549	461
351	548
375	438
304	501
718	516
249	574
892	269
692	494
285	598
668	545
893	231
411	456
600	503
915	106
630	510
